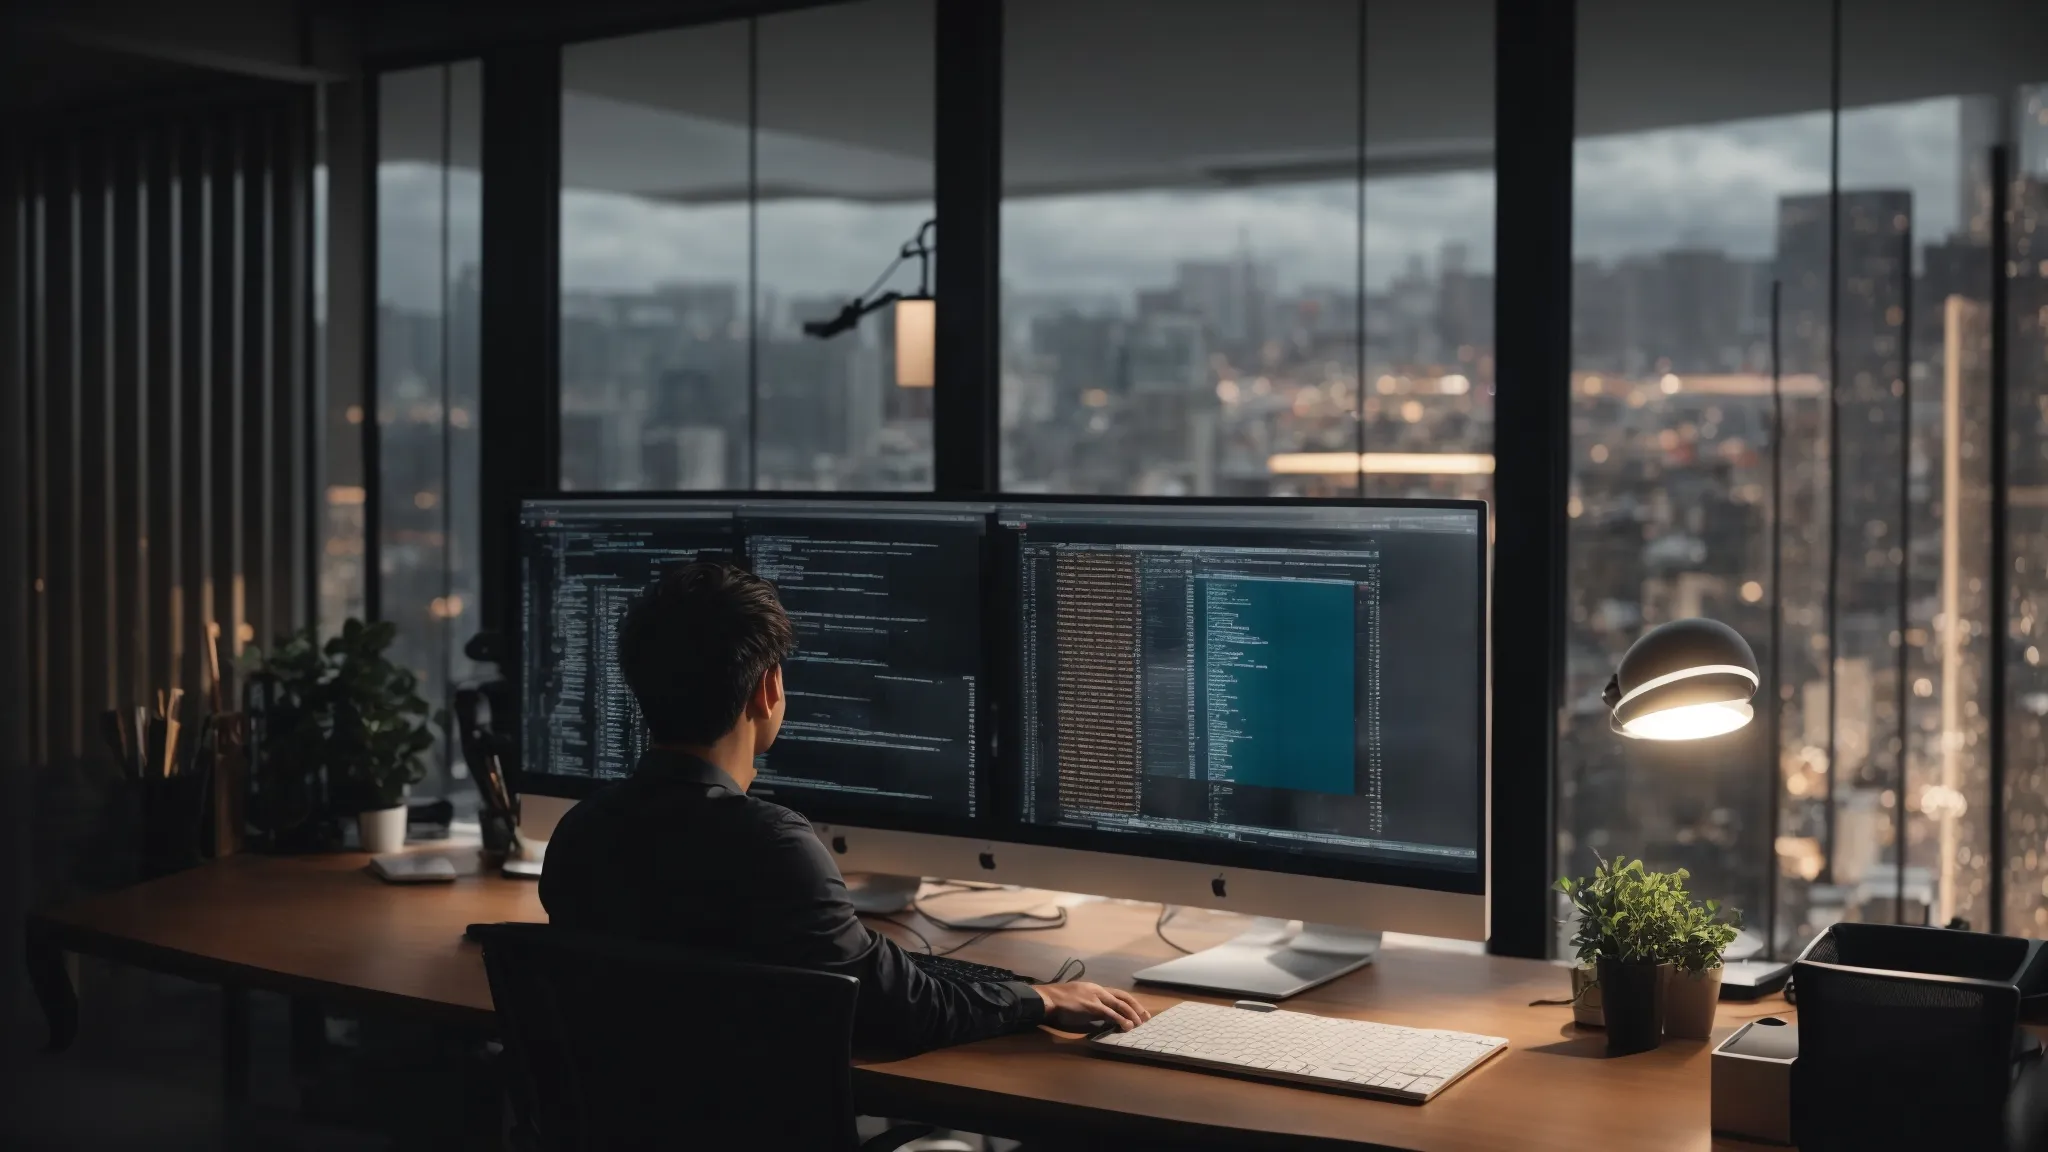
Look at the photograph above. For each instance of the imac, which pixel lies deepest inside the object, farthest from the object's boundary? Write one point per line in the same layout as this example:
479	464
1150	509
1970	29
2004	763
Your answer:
885	725
1273	708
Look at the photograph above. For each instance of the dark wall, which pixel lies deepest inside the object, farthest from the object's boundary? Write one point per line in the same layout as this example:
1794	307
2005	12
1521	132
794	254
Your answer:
156	404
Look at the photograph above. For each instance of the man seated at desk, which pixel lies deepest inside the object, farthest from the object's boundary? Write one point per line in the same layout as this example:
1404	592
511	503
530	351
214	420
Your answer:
679	853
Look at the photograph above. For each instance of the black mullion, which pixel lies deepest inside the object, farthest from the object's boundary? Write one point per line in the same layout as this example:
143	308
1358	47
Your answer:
2001	558
520	408
1535	46
967	193
1834	401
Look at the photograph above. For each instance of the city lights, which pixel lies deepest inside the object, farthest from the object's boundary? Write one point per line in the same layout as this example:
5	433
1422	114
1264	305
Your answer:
1381	463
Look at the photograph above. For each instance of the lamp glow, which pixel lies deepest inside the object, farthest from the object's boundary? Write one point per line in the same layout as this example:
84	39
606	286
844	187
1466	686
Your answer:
916	332
1691	721
1685	680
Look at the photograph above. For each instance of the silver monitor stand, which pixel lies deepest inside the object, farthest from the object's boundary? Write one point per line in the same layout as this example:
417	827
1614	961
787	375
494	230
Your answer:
881	893
1272	960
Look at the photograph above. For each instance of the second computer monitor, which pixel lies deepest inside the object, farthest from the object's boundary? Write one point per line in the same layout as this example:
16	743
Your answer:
1298	688
885	697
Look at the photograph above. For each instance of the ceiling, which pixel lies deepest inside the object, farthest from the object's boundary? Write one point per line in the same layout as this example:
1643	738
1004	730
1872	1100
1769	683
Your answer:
1189	93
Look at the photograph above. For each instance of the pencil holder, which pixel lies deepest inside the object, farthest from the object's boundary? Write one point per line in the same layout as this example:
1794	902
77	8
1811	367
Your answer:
497	830
173	817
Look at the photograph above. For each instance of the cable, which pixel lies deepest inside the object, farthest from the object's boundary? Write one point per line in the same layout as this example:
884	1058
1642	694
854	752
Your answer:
921	937
970	942
883	278
1023	921
1159	930
1079	967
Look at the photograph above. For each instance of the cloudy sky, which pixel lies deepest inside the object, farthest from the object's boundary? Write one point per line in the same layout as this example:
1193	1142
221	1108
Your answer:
1714	186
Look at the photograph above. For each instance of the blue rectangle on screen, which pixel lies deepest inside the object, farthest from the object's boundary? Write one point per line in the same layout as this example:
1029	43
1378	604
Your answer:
1276	682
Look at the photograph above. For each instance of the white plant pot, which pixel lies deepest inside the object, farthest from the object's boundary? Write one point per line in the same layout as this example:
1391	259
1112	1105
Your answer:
382	830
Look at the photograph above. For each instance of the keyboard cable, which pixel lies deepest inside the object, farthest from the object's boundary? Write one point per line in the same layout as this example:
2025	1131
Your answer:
921	937
1159	929
1022	921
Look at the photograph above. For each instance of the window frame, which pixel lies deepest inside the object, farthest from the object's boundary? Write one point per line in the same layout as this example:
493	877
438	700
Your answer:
1534	127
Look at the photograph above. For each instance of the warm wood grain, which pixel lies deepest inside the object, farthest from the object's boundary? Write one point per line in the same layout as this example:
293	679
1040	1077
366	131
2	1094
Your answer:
322	926
1553	1089
314	925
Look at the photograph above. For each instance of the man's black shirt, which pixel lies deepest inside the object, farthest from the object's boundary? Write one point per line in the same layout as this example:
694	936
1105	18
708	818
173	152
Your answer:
677	853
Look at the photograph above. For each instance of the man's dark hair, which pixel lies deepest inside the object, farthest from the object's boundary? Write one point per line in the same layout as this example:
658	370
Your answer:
694	646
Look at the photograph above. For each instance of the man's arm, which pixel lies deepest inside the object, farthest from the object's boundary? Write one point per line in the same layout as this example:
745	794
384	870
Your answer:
805	918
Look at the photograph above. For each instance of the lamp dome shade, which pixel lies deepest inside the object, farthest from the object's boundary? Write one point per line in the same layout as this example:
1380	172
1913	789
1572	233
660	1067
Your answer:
1685	680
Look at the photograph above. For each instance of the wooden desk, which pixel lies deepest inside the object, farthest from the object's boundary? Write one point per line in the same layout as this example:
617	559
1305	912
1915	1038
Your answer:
322	927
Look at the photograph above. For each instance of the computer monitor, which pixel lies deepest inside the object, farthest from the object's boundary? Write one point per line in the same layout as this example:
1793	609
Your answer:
580	563
1287	686
885	722
1270	707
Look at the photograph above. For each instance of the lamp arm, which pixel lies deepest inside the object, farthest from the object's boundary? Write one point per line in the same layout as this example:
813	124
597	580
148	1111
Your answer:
849	316
920	246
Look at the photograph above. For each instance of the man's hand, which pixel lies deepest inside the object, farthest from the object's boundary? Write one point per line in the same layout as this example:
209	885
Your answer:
1079	1006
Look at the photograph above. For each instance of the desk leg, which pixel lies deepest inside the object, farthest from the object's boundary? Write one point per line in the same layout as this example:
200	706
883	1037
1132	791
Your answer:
309	1036
234	1044
50	974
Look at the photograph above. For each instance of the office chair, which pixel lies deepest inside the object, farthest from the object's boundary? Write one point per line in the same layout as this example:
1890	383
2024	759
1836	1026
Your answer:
617	1044
1891	1059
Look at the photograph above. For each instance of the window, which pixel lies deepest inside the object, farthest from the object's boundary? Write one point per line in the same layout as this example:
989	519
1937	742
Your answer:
428	514
2025	711
722	185
1816	476
1212	237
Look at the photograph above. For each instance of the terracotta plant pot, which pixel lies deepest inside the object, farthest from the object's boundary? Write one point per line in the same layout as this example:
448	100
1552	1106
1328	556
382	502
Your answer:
1586	1011
1631	999
1690	999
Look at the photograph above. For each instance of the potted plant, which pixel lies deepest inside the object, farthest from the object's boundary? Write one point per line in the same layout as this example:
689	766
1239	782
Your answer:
1624	929
340	721
1692	981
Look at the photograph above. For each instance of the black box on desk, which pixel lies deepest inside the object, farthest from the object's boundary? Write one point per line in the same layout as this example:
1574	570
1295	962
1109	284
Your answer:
1752	1076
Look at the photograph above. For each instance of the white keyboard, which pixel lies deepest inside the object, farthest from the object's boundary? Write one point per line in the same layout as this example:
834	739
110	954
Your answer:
1412	1064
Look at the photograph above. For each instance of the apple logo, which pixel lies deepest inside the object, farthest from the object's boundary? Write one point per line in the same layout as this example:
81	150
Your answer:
1216	886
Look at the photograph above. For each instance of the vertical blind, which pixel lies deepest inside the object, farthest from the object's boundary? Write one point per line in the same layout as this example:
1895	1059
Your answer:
159	401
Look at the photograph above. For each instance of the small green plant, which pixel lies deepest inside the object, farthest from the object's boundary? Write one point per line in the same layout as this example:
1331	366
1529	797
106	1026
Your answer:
344	715
1628	913
1700	935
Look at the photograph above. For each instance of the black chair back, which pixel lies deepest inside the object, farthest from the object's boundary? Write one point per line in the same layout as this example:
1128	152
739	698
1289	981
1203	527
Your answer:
1891	1059
617	1044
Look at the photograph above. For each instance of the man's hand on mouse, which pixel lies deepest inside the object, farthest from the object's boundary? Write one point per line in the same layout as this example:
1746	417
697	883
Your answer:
1077	1006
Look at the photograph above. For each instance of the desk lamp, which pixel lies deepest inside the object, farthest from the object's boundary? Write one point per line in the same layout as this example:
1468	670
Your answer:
1685	680
1691	680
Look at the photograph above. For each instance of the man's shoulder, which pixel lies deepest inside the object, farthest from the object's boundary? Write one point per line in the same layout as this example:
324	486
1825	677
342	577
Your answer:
772	818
